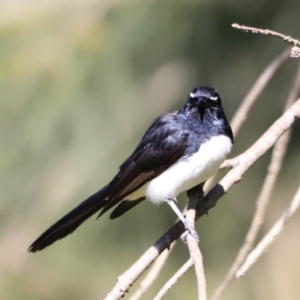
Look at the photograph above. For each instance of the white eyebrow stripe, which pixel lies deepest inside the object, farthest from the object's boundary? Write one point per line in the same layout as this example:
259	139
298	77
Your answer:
192	95
214	98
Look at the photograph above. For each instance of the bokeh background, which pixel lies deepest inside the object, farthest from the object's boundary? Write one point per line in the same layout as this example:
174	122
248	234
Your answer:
80	81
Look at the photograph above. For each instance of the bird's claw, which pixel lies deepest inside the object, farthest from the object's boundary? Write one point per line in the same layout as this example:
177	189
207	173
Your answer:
192	232
196	190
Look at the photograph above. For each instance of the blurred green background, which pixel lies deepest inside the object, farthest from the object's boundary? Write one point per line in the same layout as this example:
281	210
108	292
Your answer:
80	81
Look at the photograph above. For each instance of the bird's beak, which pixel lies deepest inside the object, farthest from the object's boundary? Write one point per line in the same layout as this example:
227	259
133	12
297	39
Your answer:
202	102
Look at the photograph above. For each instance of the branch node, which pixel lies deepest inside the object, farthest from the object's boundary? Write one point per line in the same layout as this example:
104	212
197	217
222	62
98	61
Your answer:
230	163
295	52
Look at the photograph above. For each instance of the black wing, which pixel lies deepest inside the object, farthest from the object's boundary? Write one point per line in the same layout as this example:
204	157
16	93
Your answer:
162	145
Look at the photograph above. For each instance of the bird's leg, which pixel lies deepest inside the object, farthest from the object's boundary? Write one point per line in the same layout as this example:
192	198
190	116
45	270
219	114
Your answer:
199	193
196	190
192	231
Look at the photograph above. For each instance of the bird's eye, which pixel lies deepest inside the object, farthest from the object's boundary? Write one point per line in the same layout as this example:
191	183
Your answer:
215	97
193	99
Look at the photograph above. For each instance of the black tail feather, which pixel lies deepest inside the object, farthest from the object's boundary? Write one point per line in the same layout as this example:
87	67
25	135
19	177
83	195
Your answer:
123	207
67	224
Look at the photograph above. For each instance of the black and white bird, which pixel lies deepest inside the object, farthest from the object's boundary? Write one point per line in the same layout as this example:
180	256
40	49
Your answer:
179	151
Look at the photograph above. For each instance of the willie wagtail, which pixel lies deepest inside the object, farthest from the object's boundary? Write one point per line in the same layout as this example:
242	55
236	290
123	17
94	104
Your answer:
179	151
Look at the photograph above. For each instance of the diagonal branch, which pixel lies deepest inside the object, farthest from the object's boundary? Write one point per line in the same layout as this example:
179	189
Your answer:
274	168
246	160
241	114
271	236
237	120
194	247
173	280
152	274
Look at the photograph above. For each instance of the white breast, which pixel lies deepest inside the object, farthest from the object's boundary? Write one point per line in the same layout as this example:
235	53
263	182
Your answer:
188	172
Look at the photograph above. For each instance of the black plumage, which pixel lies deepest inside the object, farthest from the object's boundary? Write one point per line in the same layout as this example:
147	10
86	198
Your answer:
170	138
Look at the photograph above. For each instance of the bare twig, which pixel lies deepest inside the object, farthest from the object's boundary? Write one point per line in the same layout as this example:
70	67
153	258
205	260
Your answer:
152	275
274	168
294	90
241	114
190	215
172	281
271	236
286	38
194	247
246	160
198	263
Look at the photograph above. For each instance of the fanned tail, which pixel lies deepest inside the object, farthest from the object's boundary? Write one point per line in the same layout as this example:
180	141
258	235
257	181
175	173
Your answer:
67	224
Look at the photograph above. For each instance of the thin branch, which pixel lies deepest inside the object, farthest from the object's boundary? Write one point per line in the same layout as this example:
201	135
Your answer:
294	90
173	280
198	263
274	168
152	275
271	236
154	272
286	38
246	160
194	247
241	114
195	254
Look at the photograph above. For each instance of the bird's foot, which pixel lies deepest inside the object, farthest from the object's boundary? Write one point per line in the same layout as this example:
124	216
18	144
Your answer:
192	232
196	190
188	227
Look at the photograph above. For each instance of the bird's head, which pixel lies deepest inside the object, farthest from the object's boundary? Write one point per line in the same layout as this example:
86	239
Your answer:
202	99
